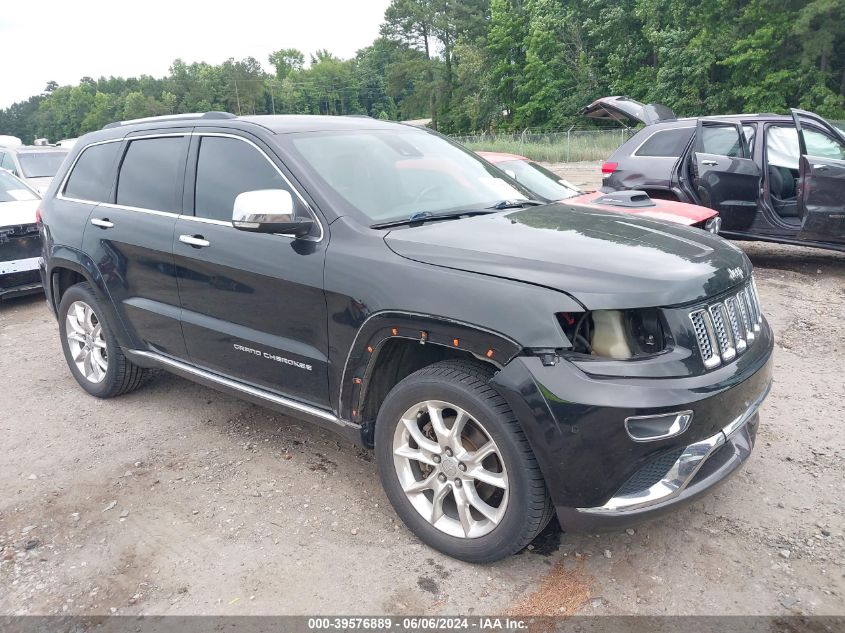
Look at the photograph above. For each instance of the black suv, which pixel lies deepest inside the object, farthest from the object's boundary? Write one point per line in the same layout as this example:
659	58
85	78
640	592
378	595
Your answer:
771	177
505	358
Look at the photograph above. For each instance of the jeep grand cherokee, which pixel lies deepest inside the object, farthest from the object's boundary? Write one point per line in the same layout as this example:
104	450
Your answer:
506	359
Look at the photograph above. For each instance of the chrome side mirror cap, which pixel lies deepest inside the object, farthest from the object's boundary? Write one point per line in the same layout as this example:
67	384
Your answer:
269	211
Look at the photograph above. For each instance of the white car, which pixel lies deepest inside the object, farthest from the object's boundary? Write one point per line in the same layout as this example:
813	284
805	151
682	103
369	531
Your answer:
20	244
35	164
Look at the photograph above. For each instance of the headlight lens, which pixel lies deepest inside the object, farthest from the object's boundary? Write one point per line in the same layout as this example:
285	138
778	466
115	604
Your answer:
615	334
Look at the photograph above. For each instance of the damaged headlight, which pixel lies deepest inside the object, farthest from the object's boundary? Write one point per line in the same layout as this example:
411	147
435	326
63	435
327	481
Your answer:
616	334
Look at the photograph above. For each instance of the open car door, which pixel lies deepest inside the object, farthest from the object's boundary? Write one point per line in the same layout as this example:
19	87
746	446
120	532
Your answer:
724	176
628	111
821	181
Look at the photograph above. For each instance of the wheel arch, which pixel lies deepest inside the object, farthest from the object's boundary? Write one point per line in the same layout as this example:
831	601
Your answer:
391	345
70	267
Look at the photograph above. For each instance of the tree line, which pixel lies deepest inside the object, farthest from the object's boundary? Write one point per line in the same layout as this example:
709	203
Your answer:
472	65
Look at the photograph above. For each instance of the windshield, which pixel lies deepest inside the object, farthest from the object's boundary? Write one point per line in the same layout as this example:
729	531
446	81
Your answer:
41	164
393	174
539	180
11	189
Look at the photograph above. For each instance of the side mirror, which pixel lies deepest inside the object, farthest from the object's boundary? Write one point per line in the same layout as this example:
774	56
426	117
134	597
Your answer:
269	211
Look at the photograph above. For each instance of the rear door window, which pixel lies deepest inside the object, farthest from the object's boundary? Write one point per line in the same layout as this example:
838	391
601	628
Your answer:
92	175
722	140
152	173
667	143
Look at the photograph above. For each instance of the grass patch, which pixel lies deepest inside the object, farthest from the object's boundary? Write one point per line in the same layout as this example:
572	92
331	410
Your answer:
555	147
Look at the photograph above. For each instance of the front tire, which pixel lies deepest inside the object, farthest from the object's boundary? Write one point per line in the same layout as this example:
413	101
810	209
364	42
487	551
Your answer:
457	466
90	347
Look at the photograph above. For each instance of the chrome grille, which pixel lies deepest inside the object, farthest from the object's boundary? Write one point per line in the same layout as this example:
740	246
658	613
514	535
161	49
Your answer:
727	328
719	316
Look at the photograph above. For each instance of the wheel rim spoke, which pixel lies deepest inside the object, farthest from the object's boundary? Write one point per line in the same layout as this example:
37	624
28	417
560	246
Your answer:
437	502
423	484
488	477
464	514
489	512
422	441
414	454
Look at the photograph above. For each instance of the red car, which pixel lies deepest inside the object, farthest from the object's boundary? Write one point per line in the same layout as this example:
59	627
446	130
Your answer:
548	186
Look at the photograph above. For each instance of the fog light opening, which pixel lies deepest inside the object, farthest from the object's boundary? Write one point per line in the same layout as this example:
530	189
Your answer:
650	428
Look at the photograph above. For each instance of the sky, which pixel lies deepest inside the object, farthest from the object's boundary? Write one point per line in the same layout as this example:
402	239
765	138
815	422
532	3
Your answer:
63	41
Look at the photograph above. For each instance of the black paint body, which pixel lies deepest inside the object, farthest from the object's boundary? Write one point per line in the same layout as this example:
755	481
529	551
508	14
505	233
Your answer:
488	286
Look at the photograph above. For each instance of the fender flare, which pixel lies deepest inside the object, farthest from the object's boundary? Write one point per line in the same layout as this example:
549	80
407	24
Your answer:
380	327
64	257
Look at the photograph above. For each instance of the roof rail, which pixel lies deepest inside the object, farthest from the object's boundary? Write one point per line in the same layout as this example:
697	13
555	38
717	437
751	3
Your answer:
172	117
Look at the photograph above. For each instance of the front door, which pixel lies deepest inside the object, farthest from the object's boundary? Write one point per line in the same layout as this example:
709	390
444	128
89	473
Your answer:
252	303
724	176
821	182
130	237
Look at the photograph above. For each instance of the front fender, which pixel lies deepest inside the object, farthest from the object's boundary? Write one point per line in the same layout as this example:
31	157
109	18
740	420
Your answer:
381	327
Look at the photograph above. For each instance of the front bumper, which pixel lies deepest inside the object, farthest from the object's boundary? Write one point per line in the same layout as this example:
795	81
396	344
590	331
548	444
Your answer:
597	475
700	466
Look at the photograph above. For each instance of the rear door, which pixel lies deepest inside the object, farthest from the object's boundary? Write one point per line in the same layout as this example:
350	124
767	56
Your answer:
130	238
724	175
821	183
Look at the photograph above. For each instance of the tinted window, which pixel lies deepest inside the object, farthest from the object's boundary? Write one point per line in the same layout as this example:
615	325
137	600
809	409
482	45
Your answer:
227	167
151	174
91	178
666	143
722	140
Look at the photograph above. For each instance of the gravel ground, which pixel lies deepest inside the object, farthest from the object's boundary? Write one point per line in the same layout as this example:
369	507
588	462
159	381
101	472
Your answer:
179	500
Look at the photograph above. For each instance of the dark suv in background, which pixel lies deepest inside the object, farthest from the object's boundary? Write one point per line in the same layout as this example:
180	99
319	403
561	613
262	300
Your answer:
771	177
505	358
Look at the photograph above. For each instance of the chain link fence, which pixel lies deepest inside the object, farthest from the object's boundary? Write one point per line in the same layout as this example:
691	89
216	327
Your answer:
553	146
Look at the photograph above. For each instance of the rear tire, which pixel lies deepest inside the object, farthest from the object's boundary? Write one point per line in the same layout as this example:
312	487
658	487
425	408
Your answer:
477	493
90	347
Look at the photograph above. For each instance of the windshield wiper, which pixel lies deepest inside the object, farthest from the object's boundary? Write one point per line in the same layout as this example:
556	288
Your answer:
516	204
425	216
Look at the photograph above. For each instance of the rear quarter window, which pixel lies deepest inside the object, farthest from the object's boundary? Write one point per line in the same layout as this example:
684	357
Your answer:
91	178
667	143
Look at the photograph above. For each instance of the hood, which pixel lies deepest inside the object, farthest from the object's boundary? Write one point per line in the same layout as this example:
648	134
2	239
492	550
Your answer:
40	184
604	260
18	212
628	110
667	210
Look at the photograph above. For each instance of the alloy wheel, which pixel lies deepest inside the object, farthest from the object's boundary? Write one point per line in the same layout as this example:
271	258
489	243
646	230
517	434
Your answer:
86	341
450	469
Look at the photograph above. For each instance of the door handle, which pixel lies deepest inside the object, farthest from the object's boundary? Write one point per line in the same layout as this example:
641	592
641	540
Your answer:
102	223
197	241
709	163
820	167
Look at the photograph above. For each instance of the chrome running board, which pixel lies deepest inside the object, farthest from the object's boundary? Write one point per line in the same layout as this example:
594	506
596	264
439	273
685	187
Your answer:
315	414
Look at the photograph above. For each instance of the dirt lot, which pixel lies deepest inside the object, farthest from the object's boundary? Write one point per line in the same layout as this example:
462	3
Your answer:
179	500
